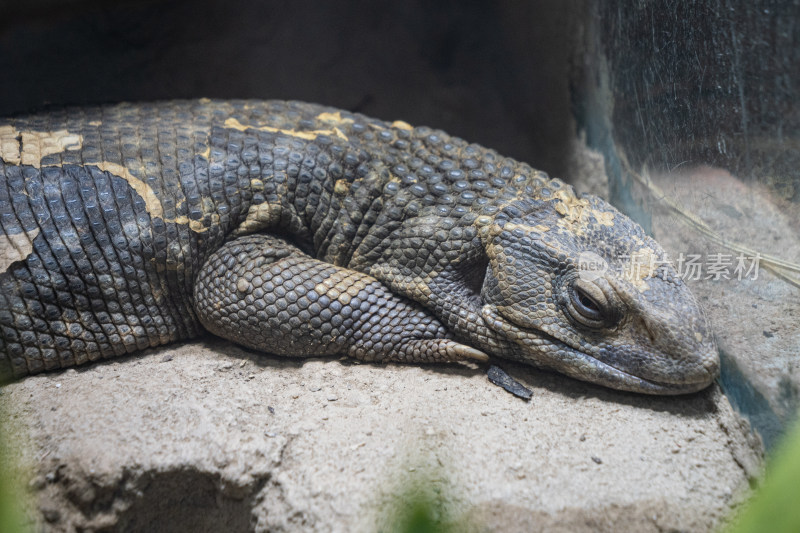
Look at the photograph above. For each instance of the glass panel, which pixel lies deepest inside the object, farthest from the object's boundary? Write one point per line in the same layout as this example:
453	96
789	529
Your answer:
694	107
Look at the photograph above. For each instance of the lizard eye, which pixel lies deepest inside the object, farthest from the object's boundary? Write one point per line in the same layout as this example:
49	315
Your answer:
587	305
584	304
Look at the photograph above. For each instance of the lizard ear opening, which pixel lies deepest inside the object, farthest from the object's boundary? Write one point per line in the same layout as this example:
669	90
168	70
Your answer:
475	274
467	279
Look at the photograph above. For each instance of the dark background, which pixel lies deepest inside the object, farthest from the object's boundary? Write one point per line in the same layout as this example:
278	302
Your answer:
707	81
492	72
662	84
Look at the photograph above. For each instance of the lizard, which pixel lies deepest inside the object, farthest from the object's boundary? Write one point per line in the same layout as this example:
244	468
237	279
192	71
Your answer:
303	230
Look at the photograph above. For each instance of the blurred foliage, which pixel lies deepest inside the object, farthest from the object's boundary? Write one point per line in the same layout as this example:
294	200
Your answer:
775	507
11	516
422	501
420	512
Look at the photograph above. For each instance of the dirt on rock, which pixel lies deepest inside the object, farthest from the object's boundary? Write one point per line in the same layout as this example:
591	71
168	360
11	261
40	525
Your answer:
206	436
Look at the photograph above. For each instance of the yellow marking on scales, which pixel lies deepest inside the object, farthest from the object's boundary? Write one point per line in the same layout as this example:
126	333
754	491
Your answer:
38	144
334	118
642	265
259	217
206	153
402	125
579	209
30	147
538	228
342	285
307	135
9	145
341	187
16	247
151	201
577	213
570	206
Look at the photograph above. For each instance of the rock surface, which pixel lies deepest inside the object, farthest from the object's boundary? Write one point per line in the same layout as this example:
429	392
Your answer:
754	313
205	436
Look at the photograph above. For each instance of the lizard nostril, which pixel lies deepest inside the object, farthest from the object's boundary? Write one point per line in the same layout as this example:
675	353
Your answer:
712	364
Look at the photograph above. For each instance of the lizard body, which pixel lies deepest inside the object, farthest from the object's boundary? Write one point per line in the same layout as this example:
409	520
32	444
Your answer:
303	230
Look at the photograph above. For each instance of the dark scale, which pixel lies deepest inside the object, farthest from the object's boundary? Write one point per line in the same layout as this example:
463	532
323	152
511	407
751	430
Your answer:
304	230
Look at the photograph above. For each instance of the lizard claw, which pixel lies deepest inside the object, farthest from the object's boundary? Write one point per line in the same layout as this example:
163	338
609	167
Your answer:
426	351
462	351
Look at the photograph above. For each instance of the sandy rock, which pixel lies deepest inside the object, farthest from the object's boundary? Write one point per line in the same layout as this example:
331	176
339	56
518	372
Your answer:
753	312
205	436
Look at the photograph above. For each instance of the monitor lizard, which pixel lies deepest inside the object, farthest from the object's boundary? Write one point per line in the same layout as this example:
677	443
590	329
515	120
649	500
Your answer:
303	230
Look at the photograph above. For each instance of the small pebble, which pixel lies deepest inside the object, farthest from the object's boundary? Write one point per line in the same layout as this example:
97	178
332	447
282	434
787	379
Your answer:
597	460
166	358
332	397
271	410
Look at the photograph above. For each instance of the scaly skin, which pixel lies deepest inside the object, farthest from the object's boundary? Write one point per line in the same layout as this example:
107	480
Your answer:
303	230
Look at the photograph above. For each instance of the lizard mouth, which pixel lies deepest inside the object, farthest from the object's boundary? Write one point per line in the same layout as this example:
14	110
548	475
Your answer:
540	347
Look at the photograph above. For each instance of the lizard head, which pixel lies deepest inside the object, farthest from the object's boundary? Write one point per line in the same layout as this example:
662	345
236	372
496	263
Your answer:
578	287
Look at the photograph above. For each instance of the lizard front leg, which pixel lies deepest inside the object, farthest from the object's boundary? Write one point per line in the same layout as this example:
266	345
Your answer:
264	293
444	272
